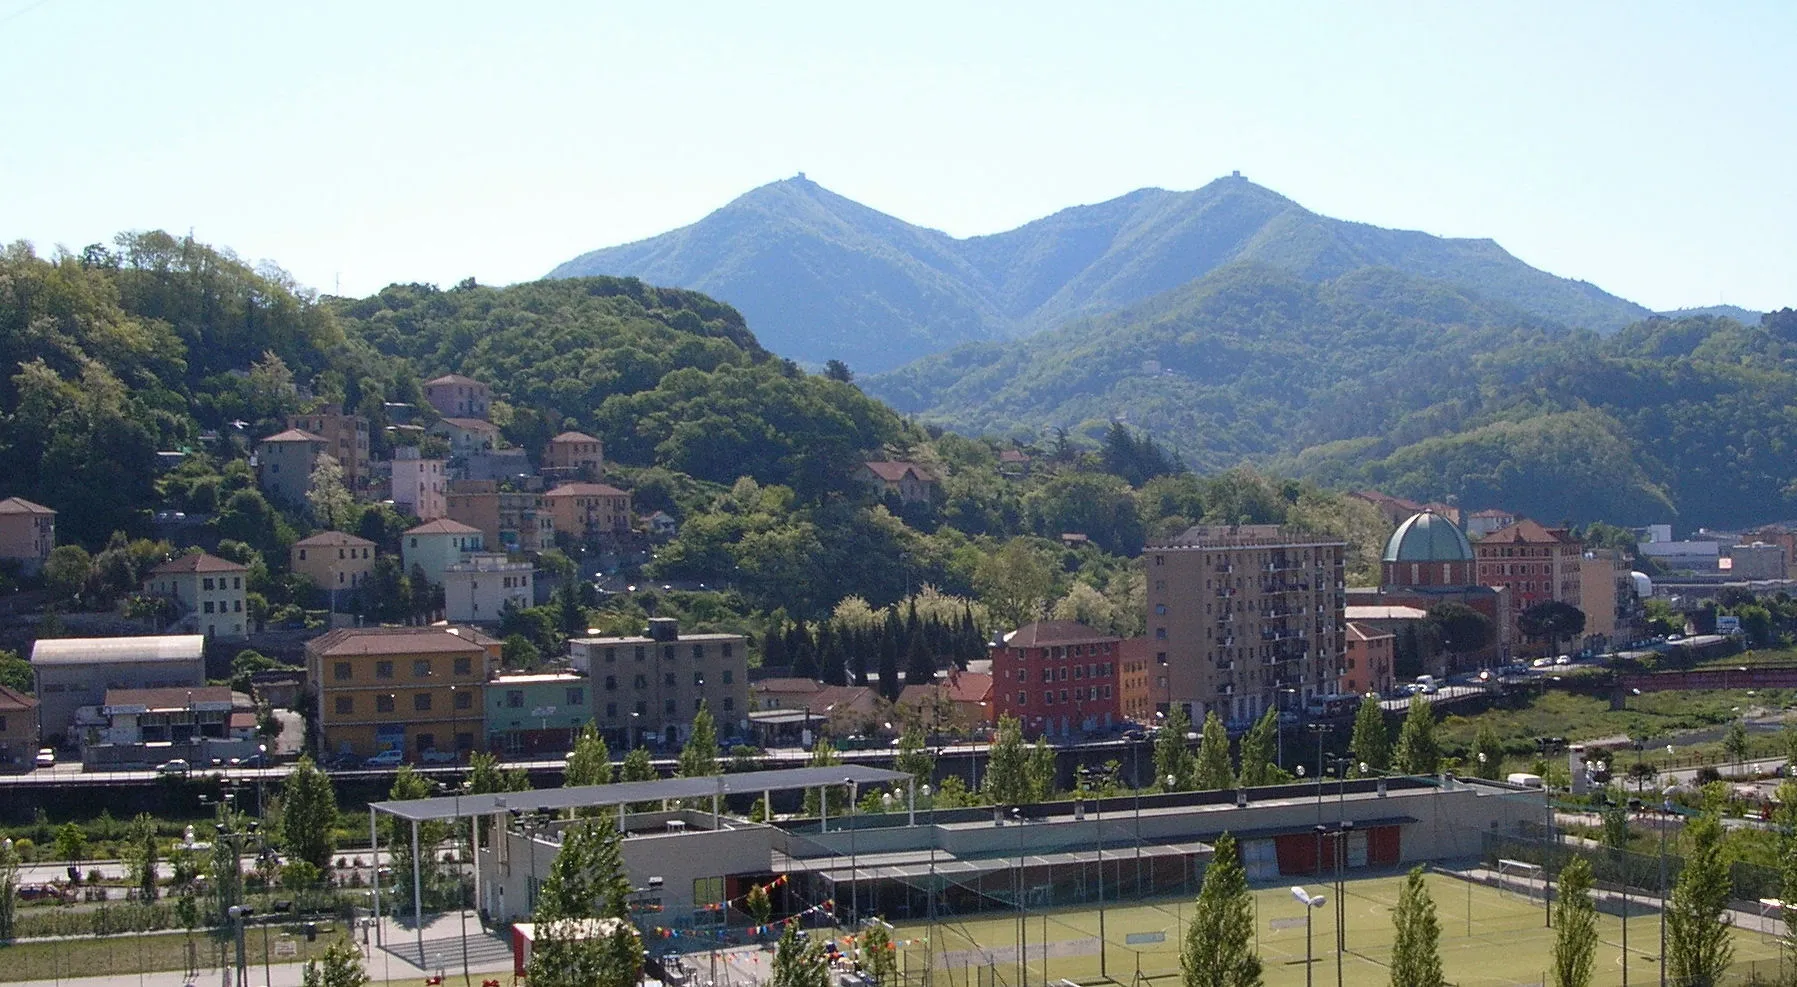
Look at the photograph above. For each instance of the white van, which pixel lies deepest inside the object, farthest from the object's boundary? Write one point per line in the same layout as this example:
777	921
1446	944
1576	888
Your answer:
1425	684
1524	779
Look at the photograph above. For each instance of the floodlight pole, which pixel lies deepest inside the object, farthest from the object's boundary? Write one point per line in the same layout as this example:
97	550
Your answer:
417	892
374	862
1665	820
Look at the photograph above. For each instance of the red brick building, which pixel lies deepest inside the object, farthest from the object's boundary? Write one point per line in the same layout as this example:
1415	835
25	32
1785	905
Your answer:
1058	677
1536	564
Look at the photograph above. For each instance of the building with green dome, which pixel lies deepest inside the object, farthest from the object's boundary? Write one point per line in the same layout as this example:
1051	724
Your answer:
1428	550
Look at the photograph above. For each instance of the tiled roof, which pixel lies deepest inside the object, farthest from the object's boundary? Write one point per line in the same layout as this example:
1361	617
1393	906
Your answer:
13	701
346	642
1363	632
176	697
334	539
1527	532
1045	632
452	379
585	490
573	437
787	685
892	471
295	435
472	424
968	687
444	526
198	562
19	505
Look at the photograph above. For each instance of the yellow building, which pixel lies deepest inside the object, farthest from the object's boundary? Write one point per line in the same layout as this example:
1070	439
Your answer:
346	440
587	511
417	690
334	561
574	456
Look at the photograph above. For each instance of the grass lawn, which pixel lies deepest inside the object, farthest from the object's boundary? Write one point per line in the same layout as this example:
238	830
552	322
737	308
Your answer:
1502	943
115	955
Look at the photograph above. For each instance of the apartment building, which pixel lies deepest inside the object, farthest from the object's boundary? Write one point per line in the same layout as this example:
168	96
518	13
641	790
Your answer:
478	588
346	440
1537	564
412	689
1135	671
513	520
284	464
419	484
456	396
1369	665
537	713
335	562
1058	677
434	546
18	730
27	533
589	511
207	591
646	689
1240	616
574	456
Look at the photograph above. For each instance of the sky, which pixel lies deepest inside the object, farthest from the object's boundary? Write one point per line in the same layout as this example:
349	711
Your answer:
1648	148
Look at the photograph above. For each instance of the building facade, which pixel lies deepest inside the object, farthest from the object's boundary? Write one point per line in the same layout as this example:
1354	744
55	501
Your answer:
1058	678
537	714
589	511
412	689
72	672
477	589
1246	618
1429	561
335	562
456	396
27	534
909	482
346	440
1536	564
467	436
1370	661
207	593
18	730
646	689
575	456
419	484
434	546
284	464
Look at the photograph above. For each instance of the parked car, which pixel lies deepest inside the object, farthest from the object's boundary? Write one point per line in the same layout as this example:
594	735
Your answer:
46	758
392	757
1542	663
176	768
1563	660
343	762
435	756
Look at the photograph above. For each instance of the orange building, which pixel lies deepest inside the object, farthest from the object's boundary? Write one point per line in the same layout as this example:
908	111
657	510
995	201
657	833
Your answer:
1537	564
1369	661
575	456
1132	682
27	533
589	511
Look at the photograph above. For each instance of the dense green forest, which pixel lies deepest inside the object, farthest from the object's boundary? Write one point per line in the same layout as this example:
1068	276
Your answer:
1410	385
822	277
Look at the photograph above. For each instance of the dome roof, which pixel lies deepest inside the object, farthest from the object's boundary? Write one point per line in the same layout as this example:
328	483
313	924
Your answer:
1428	537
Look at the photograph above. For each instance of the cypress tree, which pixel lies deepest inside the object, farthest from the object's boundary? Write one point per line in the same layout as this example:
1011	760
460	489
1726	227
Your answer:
1699	947
889	670
1372	741
1416	948
1259	748
1212	770
1575	926
1219	944
773	648
920	667
1418	753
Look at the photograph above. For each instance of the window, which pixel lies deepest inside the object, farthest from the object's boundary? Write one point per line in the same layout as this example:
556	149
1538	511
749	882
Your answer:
514	699
667	679
640	652
236	606
611	655
726	647
345	705
611	683
302	555
611	709
577	697
698	679
729	703
1160	608
464	665
667	653
341	671
421	701
1048	698
383	704
421	668
236	582
426	741
1160	658
1048	675
642	681
1160	633
698	652
208	584
464	699
1063	695
729	676
208	606
383	669
1023	699
667	707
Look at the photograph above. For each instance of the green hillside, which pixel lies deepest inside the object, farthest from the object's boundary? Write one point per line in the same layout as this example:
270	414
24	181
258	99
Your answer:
822	277
1413	385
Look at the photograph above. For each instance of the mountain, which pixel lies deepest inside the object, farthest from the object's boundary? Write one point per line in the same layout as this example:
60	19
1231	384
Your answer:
1744	316
822	277
1415	385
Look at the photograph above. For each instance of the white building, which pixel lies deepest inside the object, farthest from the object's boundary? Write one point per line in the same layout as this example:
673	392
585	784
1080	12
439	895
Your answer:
476	589
419	484
207	591
436	545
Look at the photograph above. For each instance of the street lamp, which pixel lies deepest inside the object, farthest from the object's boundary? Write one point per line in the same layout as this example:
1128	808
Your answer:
1311	903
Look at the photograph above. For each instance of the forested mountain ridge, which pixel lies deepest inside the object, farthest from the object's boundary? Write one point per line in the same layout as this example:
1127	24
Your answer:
822	277
1415	386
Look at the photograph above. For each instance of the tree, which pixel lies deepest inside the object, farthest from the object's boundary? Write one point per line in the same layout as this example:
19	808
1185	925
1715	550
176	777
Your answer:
1462	630
330	501
1418	753
409	785
637	766
142	855
920	665
1007	765
1699	946
9	889
66	571
308	821
590	761
1552	621
798	961
1014	582
1614	826
584	936
518	652
71	843
1260	745
838	371
699	758
1787	865
1372	741
823	755
1219	944
758	905
1416	945
879	956
340	967
1575	926
1488	752
914	758
1212	770
1172	758
1042	771
1734	741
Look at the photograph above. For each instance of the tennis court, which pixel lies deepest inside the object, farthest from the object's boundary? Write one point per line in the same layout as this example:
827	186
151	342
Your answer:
1489	938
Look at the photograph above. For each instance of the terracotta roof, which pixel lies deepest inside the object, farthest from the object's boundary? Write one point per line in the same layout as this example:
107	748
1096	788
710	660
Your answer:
787	685
861	697
1527	532
334	538
198	562
1492	512
585	490
295	435
12	701
19	505
968	687
573	437
1365	632
1013	456
1046	632
453	379
471	424
472	635
444	526
175	697
346	642
892	471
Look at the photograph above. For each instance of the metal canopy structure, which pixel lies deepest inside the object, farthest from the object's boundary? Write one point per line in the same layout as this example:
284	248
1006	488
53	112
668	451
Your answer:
623	793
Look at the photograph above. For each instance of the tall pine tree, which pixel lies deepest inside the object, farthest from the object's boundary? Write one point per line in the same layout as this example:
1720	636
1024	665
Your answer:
1416	945
1212	770
1372	741
920	666
1219	944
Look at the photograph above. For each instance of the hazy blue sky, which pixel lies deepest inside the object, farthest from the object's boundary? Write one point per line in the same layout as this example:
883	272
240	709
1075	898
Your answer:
1648	148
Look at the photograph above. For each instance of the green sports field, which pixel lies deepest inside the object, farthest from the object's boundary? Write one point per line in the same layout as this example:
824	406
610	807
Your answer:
1488	939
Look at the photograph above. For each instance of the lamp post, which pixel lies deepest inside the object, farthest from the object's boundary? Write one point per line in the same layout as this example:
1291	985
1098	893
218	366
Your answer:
1665	822
929	969
1023	924
237	913
854	890
1311	903
1342	833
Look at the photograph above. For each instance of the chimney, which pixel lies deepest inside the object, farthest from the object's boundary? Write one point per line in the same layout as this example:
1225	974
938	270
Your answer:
664	629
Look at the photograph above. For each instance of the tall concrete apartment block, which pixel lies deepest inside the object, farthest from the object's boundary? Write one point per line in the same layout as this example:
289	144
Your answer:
1243	618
